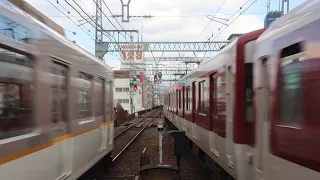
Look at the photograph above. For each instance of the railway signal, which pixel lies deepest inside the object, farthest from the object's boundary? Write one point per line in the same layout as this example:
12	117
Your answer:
155	78
135	87
160	75
131	82
134	78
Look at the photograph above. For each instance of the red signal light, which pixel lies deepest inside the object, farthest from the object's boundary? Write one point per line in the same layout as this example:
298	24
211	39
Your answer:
135	87
155	79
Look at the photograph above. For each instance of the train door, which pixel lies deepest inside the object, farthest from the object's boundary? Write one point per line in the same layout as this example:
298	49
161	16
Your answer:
194	132
59	115
262	115
183	108
213	113
109	111
101	111
229	119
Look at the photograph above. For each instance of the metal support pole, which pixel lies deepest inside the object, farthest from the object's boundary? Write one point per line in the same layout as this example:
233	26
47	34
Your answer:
160	147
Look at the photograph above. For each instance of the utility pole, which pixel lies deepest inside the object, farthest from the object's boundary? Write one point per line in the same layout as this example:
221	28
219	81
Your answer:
283	2
99	34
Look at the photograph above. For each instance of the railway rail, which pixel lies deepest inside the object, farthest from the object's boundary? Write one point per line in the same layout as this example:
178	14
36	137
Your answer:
126	137
126	165
126	126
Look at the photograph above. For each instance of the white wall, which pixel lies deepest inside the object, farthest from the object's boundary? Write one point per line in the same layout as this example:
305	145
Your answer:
122	83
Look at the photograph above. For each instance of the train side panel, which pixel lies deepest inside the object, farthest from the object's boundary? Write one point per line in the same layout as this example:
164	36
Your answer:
67	117
287	71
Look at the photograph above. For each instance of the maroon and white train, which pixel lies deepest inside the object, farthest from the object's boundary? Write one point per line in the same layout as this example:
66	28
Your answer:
253	110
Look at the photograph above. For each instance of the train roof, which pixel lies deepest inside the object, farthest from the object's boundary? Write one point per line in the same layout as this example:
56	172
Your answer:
52	33
200	69
294	19
214	61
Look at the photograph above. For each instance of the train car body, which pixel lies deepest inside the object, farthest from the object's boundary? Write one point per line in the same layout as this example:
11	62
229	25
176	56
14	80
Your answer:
56	102
286	73
210	105
253	108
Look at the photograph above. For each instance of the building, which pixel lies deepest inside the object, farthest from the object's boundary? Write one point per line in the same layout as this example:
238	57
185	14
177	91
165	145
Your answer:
233	37
142	97
121	89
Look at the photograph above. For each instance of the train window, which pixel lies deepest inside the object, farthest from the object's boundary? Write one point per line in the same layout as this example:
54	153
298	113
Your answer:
58	93
84	102
9	100
220	95
188	98
14	30
84	94
214	94
100	89
290	90
202	91
180	99
16	94
249	91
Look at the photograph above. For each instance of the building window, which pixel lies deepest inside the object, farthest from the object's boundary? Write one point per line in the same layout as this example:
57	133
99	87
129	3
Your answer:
14	30
118	89
125	89
202	91
126	101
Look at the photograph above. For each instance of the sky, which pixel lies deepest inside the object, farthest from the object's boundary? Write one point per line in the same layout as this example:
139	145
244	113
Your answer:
174	20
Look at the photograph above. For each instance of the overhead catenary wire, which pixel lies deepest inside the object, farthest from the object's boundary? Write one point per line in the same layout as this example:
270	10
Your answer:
111	14
235	18
211	19
178	16
227	21
69	18
72	21
100	8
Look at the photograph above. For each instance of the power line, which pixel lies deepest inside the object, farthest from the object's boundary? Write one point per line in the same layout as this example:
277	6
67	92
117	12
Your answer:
164	16
73	21
109	19
231	17
235	19
232	20
112	14
68	17
211	19
83	17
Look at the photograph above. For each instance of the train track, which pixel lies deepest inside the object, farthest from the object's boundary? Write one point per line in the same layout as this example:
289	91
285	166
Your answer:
134	122
127	165
123	142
